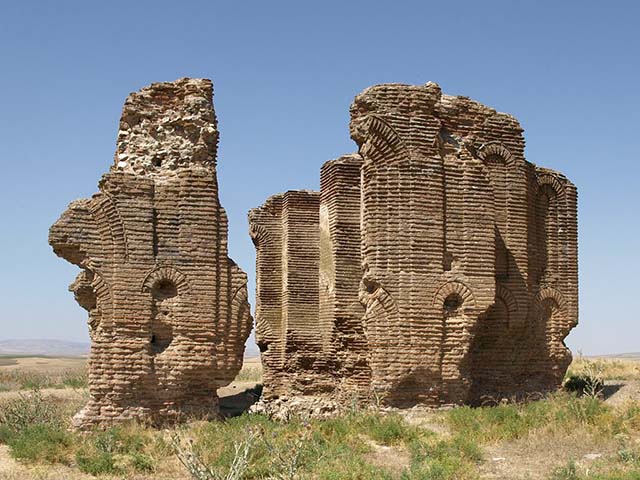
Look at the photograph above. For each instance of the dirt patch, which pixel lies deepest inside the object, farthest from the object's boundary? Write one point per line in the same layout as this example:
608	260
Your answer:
10	469
428	419
391	458
622	392
536	457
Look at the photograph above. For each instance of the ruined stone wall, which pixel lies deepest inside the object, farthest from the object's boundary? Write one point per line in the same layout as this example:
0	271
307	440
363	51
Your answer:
168	310
468	255
286	233
340	271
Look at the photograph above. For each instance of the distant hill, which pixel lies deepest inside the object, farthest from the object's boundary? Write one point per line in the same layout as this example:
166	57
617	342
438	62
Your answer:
630	355
51	348
62	348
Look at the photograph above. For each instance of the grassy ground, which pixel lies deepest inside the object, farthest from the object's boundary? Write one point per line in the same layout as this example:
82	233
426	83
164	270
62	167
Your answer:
25	373
562	437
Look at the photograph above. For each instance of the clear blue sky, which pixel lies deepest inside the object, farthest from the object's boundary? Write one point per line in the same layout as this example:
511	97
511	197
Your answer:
284	75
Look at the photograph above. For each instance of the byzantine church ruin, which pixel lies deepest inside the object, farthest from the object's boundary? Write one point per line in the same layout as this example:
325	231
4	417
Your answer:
436	265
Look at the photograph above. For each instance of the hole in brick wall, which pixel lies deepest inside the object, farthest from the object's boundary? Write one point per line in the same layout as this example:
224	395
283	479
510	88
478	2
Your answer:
164	289
452	303
494	158
157	162
447	261
163	293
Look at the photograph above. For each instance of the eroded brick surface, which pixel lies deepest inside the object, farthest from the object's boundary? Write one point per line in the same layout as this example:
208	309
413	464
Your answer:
436	266
168	310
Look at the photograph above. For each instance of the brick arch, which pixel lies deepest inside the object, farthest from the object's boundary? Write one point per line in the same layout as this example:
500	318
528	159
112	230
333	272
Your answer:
383	140
166	272
550	180
383	333
104	298
549	212
259	234
110	225
507	297
101	288
495	148
465	293
550	293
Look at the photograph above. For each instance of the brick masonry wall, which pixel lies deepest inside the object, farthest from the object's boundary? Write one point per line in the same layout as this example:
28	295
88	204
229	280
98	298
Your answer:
467	269
168	310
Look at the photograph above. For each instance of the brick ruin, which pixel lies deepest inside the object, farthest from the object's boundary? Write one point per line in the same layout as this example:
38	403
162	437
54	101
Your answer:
435	266
168	309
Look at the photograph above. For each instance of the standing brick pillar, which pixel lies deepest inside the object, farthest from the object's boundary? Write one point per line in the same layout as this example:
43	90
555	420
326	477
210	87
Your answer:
168	309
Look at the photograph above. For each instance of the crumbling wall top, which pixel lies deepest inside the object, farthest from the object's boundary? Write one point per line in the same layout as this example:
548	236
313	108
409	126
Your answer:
167	125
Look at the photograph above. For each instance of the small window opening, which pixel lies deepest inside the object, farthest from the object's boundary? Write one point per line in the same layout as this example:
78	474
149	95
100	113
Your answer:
452	303
164	289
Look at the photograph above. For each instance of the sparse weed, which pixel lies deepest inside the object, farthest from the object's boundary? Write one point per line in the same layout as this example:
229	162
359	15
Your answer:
590	380
28	410
34	429
41	443
607	368
16	379
443	459
568	472
359	444
199	470
387	429
116	450
571	472
250	373
74	379
584	385
629	457
560	411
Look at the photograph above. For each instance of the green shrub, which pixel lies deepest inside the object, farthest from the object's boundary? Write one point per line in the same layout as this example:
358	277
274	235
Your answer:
508	422
142	462
568	472
28	410
387	429
5	434
583	384
95	463
114	450
40	443
74	379
446	459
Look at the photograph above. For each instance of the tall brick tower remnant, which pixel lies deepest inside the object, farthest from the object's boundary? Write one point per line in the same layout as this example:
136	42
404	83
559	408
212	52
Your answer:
168	309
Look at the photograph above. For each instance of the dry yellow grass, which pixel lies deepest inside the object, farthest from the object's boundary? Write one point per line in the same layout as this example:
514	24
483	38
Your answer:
607	368
43	365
